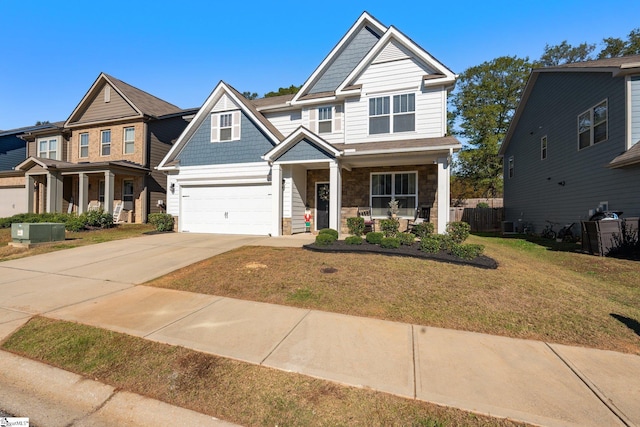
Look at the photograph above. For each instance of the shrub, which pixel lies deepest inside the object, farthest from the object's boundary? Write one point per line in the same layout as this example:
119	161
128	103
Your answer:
330	231
98	218
325	239
355	225
483	205
459	231
74	223
423	230
353	240
162	221
430	244
389	227
390	243
468	251
446	241
374	237
406	238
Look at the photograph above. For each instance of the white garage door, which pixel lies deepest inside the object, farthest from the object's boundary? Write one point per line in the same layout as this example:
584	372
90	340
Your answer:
241	209
12	201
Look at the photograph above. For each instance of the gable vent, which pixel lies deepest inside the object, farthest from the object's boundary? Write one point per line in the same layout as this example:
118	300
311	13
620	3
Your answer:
391	52
107	93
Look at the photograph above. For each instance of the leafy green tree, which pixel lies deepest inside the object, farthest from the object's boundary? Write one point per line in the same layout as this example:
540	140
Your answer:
250	95
283	91
615	47
564	53
483	104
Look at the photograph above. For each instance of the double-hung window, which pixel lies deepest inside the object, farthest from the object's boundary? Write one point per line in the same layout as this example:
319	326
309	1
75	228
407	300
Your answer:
105	142
226	125
592	125
510	167
403	186
48	148
84	145
379	115
404	113
129	140
543	147
324	119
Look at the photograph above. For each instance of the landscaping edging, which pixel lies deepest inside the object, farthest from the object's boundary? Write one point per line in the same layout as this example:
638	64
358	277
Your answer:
339	246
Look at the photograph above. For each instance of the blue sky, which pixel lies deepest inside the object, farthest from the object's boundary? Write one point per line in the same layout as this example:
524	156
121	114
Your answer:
178	50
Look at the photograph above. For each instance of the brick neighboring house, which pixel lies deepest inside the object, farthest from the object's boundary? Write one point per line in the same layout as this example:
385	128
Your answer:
368	125
105	154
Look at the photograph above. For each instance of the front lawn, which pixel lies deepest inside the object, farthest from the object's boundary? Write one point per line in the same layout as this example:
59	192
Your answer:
536	293
72	240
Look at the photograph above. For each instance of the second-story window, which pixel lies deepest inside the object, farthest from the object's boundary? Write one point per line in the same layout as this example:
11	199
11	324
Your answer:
129	140
510	167
105	142
379	115
226	126
404	113
324	119
84	145
592	125
543	147
48	148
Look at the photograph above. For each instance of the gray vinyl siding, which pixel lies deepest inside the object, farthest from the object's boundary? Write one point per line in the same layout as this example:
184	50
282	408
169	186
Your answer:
13	150
533	194
346	61
635	109
162	134
98	110
304	150
199	150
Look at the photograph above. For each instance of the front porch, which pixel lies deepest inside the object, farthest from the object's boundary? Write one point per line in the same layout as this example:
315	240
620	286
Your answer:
54	186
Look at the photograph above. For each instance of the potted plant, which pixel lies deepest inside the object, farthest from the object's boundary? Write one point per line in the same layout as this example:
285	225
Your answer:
394	207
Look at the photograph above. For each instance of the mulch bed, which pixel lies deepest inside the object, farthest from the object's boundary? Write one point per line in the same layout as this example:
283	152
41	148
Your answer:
339	246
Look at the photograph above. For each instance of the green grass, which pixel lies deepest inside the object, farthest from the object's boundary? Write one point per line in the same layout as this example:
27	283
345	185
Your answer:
235	391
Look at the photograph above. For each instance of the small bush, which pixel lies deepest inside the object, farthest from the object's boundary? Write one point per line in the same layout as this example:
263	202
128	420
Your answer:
468	251
353	240
325	239
430	245
98	218
483	205
162	221
459	231
355	225
74	223
423	230
406	238
390	243
389	227
446	241
330	231
374	237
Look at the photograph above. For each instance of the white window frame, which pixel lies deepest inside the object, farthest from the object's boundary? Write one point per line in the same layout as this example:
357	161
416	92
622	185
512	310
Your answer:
81	146
544	147
406	109
325	116
590	116
226	123
510	167
234	123
104	144
129	143
46	153
393	194
379	111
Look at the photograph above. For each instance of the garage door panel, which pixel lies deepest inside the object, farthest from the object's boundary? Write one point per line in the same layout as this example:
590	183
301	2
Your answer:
226	210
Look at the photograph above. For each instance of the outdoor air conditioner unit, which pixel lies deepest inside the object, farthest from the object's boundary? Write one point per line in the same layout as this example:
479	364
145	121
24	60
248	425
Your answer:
508	227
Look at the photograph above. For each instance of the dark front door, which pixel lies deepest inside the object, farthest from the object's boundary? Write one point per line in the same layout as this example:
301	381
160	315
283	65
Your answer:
322	206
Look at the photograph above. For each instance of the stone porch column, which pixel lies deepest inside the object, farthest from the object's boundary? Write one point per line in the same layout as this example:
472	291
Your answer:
108	191
83	193
444	192
276	200
335	195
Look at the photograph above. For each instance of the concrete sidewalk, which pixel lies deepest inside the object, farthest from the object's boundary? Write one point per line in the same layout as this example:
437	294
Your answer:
529	381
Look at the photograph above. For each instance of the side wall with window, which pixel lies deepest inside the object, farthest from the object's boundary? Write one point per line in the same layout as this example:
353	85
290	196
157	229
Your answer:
554	107
127	141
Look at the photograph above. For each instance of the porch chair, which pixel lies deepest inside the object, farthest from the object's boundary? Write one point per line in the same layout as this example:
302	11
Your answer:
422	214
94	206
369	223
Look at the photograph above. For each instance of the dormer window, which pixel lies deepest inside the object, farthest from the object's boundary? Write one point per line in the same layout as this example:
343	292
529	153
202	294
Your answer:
324	119
225	126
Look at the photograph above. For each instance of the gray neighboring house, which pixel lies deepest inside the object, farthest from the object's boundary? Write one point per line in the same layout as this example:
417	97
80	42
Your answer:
573	145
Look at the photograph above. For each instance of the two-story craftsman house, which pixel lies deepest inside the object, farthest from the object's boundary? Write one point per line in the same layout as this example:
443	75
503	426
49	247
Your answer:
367	126
104	155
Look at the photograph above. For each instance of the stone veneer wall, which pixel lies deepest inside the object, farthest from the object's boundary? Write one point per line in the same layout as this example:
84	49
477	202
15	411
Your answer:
356	184
286	227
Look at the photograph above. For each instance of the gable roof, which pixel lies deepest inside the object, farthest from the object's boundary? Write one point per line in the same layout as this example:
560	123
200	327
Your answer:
298	135
628	158
143	103
203	113
618	67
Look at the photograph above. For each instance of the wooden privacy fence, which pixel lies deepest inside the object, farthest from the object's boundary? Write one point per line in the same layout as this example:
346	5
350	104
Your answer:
480	219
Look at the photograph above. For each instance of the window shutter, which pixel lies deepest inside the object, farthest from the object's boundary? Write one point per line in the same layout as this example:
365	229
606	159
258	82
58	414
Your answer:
313	122
337	121
215	119
235	132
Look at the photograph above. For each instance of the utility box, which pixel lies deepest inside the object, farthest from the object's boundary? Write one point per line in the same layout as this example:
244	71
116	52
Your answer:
37	232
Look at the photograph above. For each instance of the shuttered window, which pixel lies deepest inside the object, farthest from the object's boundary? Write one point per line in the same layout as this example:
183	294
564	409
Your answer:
225	126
